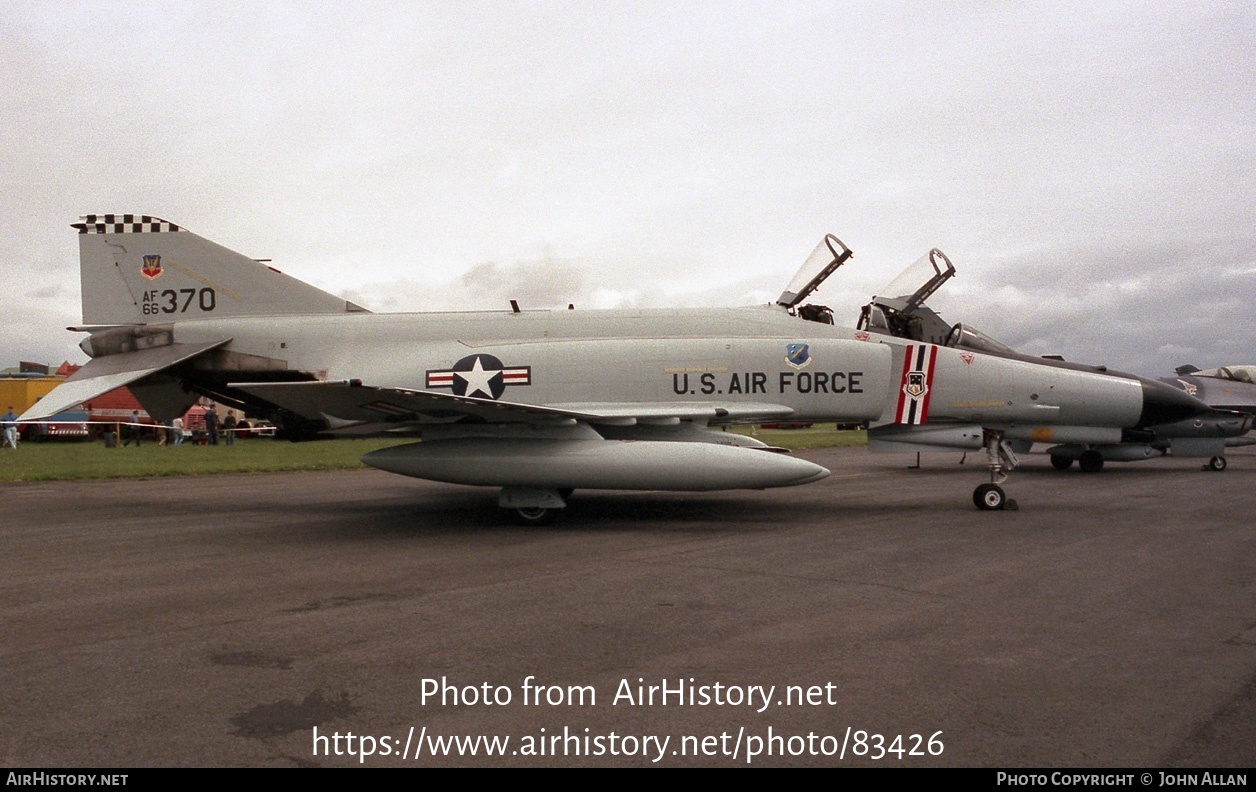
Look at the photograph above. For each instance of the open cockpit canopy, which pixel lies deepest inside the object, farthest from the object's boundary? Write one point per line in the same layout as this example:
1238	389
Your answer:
823	262
899	309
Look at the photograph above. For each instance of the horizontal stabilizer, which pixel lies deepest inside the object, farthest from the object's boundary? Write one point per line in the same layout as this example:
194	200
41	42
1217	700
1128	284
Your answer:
104	374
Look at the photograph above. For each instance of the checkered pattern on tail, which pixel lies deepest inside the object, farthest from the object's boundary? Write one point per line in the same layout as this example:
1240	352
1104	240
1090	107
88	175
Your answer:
123	224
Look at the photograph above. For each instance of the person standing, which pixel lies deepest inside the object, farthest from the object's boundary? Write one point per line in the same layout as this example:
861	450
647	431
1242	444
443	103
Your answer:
9	422
132	431
211	426
176	429
229	427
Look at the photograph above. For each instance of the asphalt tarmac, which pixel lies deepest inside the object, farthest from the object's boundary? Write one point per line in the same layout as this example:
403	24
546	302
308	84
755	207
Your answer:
238	620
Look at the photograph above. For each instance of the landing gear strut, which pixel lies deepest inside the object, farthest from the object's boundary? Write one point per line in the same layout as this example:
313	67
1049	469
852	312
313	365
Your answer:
999	455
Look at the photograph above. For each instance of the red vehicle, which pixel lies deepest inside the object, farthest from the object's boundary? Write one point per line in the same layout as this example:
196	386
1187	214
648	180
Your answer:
68	425
118	405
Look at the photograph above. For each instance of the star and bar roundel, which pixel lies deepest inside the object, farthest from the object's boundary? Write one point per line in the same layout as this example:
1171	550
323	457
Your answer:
479	376
913	395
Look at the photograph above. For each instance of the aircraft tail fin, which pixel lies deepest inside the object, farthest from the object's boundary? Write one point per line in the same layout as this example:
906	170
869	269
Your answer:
138	269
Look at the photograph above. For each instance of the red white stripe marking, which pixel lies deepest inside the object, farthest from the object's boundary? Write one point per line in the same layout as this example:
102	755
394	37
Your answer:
916	386
510	376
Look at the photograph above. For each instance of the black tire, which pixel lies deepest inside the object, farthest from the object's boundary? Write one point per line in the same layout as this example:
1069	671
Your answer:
1061	462
1091	461
533	516
1217	463
989	497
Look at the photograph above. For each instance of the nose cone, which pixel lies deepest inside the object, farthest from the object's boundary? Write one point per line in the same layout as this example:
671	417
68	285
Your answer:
1163	404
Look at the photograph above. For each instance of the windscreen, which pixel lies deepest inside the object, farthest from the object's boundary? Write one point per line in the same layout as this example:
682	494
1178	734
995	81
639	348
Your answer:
967	337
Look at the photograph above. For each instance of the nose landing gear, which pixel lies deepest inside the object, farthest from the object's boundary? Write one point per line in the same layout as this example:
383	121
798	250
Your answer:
999	455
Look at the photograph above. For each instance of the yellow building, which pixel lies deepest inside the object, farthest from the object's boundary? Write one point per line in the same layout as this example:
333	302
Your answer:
21	392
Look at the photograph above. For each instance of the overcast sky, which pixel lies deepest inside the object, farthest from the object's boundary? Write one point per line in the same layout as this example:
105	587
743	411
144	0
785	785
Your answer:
1088	167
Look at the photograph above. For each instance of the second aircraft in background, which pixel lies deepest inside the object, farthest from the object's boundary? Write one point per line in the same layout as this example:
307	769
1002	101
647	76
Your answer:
900	311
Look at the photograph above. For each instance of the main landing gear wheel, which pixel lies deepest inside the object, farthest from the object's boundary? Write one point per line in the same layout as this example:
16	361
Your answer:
1061	462
528	506
1091	461
533	515
1217	463
990	497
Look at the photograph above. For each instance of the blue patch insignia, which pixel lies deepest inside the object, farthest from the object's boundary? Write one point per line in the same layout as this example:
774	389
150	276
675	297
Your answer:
798	355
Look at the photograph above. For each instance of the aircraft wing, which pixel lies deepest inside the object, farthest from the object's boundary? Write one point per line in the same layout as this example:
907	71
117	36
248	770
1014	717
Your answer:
351	407
103	374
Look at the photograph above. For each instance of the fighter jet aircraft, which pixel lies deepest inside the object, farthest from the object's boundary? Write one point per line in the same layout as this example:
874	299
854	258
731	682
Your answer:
903	314
540	403
1229	390
1223	388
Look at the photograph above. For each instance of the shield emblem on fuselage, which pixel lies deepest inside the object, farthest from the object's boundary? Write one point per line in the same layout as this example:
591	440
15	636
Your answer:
152	267
915	386
798	355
